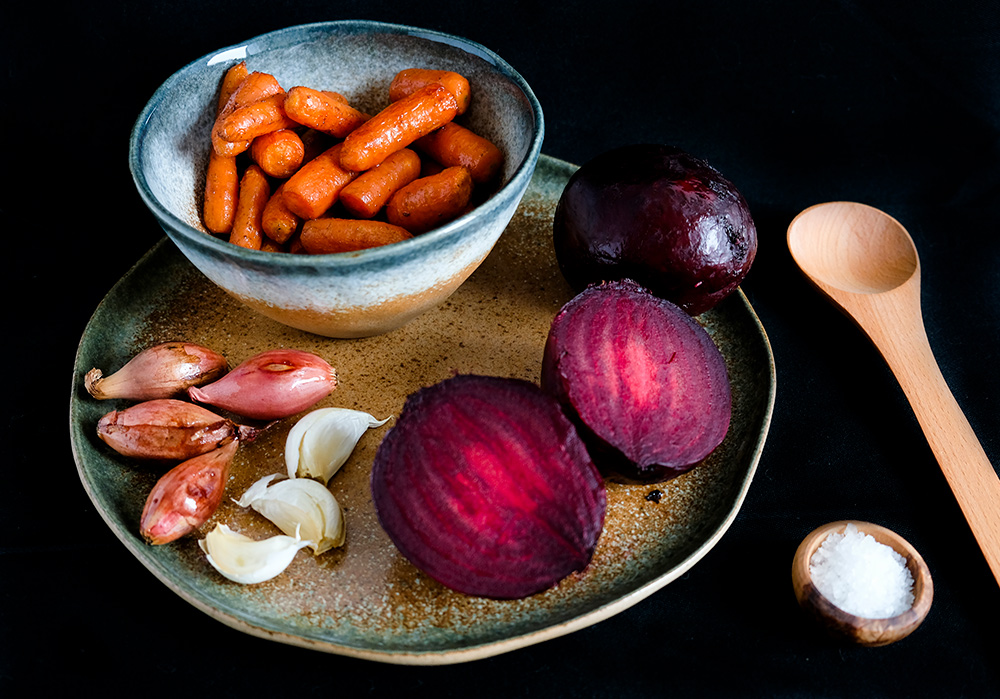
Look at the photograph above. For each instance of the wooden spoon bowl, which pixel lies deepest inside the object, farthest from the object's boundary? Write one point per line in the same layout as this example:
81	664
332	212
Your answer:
844	625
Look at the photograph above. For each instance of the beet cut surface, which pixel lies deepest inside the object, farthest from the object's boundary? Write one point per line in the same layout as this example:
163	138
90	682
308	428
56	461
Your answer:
644	382
485	486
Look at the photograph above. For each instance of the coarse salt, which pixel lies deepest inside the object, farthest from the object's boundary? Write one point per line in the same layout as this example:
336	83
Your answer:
862	576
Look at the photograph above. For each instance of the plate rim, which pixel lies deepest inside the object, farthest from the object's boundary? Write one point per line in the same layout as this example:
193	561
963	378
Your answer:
436	656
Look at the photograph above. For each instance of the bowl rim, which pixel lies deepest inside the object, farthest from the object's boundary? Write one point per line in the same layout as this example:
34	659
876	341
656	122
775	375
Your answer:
407	248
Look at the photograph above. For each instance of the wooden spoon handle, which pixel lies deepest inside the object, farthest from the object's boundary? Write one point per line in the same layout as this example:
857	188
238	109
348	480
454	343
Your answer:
972	478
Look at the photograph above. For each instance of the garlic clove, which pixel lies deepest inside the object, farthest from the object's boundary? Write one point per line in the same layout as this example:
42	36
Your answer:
166	370
248	561
321	442
299	504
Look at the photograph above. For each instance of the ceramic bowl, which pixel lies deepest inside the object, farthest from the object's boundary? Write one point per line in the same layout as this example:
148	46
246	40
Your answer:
847	626
346	294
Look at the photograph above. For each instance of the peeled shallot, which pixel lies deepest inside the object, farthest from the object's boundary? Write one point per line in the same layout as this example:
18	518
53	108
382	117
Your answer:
271	385
186	496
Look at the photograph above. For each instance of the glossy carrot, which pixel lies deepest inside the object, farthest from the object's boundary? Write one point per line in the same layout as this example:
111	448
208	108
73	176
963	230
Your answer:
454	144
277	221
279	153
222	186
261	117
329	235
315	187
230	81
397	126
268	245
328	112
255	87
431	201
255	190
222	181
367	194
410	80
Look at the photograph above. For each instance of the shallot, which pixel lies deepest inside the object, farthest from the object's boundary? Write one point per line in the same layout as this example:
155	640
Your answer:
164	371
167	429
186	496
271	385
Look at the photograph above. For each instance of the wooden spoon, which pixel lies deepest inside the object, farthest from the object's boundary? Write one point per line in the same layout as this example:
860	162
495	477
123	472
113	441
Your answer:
862	630
866	262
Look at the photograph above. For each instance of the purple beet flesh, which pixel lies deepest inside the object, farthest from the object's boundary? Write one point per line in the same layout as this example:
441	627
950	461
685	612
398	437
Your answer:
485	486
645	383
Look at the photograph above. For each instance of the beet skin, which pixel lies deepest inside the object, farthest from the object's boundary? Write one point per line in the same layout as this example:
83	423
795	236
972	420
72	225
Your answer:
660	216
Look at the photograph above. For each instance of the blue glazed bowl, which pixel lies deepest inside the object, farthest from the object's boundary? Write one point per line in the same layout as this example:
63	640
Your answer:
354	294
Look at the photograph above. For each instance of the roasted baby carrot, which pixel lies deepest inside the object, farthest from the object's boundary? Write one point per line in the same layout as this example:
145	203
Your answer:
367	194
328	112
222	186
412	79
430	201
327	235
254	193
277	221
454	144
222	181
397	126
268	245
255	87
261	117
279	153
230	81
315	187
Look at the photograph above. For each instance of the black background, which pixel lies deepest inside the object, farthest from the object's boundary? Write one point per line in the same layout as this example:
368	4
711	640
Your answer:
892	103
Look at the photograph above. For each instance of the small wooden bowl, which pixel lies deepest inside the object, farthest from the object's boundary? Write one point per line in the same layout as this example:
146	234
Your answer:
866	632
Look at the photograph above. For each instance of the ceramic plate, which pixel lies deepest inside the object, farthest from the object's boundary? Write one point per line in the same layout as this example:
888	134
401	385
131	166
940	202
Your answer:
364	599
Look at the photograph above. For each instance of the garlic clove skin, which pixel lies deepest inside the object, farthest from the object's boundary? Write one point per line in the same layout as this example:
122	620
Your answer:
166	370
186	496
299	505
247	561
322	441
270	385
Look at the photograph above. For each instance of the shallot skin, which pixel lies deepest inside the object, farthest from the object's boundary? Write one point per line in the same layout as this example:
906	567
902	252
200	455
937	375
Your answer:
186	496
271	385
166	370
167	429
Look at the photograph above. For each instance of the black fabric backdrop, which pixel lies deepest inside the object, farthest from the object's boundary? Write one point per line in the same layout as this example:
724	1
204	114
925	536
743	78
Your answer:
891	103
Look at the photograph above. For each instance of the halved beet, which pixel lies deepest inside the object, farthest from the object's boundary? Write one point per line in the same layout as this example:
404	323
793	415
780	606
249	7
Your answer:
485	486
645	383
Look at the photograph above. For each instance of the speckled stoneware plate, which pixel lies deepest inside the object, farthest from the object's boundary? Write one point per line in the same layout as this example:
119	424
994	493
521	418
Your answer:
364	599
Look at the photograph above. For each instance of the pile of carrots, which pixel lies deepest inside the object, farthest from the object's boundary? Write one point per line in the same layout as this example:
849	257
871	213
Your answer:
303	171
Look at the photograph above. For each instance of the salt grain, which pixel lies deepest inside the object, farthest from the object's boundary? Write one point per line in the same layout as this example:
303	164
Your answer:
862	576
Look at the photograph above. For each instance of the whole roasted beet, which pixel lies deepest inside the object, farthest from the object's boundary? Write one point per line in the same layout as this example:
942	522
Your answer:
485	486
657	215
645	383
